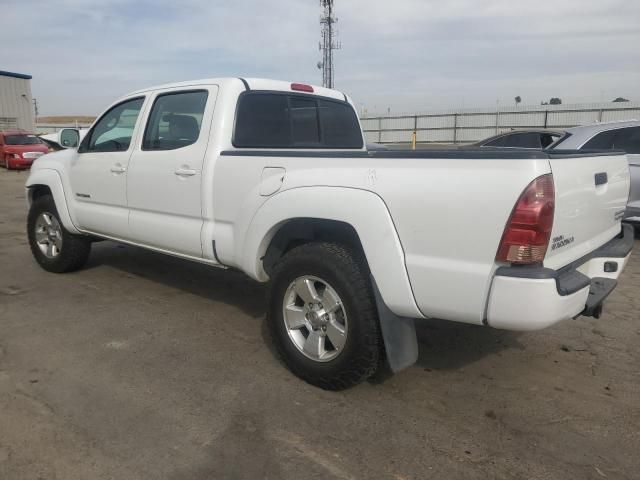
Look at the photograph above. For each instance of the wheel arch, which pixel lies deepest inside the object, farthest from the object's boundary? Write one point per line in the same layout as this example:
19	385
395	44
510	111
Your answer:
357	217
48	182
298	231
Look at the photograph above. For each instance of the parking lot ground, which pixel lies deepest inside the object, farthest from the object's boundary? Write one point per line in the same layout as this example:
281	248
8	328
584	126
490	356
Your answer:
143	366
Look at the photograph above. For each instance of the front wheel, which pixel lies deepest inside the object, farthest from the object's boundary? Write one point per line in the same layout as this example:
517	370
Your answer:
322	315
54	248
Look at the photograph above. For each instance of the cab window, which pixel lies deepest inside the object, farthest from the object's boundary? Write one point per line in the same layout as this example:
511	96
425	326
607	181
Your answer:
114	130
175	120
283	120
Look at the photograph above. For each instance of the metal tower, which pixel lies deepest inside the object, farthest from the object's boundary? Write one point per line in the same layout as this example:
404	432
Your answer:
328	43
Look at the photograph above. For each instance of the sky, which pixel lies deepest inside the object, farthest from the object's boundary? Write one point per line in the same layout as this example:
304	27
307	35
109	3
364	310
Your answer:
401	56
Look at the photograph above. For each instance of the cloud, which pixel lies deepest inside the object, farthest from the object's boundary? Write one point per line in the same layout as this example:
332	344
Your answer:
407	54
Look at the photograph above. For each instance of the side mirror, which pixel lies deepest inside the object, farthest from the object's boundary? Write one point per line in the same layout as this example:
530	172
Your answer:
69	138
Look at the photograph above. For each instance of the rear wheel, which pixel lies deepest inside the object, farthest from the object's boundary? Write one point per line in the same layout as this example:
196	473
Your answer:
322	315
54	248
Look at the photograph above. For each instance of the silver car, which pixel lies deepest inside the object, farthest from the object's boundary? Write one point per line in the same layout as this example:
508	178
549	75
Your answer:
611	136
535	139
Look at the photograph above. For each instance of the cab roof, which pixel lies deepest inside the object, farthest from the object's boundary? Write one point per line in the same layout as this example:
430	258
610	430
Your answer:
252	83
602	126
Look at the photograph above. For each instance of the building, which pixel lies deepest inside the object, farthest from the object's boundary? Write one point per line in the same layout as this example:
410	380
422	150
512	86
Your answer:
16	103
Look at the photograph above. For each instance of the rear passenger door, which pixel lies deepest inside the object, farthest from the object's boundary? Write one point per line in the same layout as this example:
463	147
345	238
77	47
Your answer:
164	187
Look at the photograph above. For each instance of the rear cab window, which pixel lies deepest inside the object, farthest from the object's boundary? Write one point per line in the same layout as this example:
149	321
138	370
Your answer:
517	140
289	120
547	139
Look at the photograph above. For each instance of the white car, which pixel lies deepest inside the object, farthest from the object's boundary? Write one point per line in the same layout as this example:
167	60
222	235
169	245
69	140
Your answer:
623	136
274	179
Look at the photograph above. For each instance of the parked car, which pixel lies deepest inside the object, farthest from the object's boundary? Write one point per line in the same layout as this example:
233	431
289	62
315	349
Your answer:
372	147
18	149
611	136
521	139
274	179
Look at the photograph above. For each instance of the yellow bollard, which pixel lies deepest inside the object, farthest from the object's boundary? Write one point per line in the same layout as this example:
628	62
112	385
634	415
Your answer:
413	140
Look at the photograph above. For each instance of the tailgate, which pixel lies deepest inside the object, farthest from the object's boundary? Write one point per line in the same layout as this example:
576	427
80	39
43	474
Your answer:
591	195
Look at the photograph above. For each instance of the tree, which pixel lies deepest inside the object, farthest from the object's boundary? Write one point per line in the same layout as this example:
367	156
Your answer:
518	100
555	101
621	99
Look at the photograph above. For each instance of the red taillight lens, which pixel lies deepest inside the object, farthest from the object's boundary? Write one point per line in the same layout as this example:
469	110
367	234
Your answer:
526	236
301	87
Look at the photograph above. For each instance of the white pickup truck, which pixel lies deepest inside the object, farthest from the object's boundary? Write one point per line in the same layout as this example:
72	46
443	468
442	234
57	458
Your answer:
274	179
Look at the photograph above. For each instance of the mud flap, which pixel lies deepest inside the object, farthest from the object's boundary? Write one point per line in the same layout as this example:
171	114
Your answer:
398	333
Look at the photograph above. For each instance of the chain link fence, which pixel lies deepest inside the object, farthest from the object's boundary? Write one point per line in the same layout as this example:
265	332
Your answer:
471	125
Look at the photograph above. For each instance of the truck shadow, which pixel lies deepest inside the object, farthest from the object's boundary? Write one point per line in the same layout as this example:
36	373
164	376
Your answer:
443	345
225	286
448	345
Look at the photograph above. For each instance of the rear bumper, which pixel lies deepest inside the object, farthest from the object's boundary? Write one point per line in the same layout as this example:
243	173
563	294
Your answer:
532	298
632	213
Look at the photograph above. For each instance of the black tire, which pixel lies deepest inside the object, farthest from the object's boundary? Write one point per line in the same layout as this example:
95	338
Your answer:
346	271
75	248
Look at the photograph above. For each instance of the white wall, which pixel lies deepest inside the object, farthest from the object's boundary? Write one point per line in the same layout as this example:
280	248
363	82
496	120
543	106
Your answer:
16	103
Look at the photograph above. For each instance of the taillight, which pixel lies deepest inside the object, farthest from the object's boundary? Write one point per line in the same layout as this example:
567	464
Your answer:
301	87
526	236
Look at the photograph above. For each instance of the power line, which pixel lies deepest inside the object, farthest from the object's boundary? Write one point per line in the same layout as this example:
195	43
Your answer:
328	43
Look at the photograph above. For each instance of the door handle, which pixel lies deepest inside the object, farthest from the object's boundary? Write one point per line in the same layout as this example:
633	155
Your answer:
601	178
117	168
185	172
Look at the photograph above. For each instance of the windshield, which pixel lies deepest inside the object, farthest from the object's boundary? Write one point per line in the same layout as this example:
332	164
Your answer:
22	140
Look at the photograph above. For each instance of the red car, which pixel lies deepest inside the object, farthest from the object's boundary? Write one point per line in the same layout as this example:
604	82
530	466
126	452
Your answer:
19	149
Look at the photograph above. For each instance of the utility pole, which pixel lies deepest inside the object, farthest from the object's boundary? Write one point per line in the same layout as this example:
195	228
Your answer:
327	43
